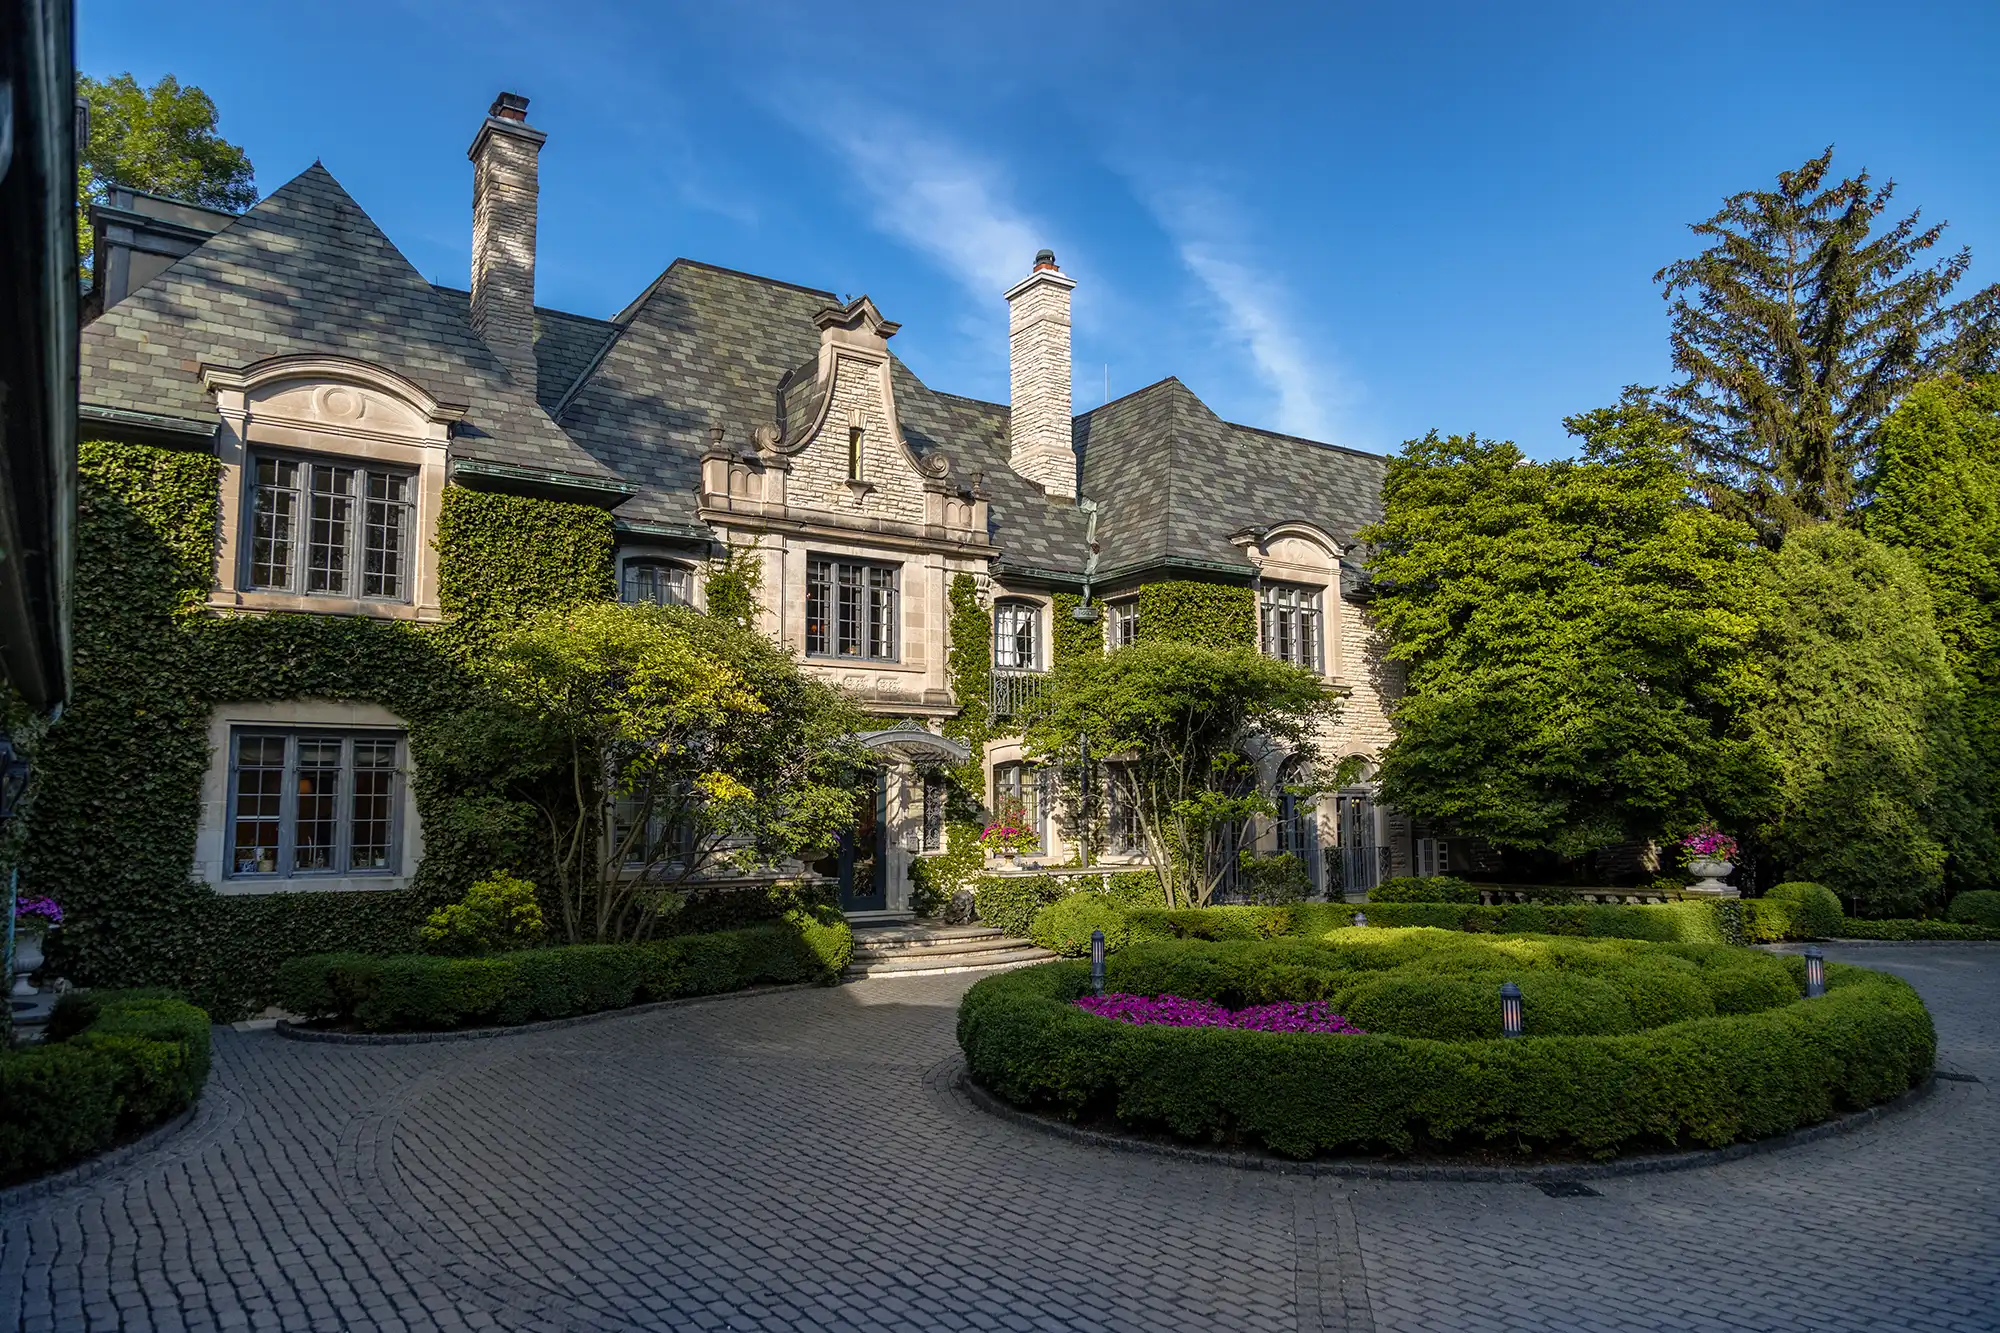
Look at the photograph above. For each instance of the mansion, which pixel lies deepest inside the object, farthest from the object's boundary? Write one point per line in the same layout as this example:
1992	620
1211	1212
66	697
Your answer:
343	396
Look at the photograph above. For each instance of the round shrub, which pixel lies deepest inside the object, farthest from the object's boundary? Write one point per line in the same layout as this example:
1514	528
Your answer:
498	912
1976	907
1064	926
1423	889
1628	1043
1815	909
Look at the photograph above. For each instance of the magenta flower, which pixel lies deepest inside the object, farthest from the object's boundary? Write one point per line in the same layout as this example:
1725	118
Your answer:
1174	1011
1708	843
43	912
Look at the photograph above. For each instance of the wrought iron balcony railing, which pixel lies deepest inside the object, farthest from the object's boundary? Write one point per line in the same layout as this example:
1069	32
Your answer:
1010	691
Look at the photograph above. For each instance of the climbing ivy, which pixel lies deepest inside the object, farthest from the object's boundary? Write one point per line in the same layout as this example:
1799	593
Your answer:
1069	637
969	663
119	791
1220	615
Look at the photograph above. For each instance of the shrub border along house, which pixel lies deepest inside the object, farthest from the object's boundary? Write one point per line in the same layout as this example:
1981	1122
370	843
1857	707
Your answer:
424	993
137	1061
1709	1080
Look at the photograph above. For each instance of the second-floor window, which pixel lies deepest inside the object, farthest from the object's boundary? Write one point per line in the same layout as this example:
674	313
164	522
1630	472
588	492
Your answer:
661	582
330	529
1291	624
851	610
1016	635
1124	628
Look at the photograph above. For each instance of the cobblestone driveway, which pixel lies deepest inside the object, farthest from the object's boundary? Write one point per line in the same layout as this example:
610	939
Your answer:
800	1161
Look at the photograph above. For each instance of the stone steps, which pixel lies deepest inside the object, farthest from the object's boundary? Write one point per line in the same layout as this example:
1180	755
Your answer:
920	951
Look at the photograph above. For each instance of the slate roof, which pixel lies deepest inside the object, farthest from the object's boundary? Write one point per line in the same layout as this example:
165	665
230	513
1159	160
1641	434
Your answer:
307	271
634	398
1174	481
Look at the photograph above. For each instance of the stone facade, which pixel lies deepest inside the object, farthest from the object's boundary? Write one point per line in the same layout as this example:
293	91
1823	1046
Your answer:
724	412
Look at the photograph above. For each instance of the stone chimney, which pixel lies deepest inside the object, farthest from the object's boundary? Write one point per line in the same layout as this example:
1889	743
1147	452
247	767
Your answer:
504	191
1039	441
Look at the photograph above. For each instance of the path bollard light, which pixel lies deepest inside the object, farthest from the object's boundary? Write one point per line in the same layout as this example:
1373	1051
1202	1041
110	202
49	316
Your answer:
1097	962
1815	972
1510	1009
1360	918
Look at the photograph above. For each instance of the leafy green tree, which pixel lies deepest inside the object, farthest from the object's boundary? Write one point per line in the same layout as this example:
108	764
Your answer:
161	140
1799	329
1881	797
1937	498
658	744
1577	638
1179	721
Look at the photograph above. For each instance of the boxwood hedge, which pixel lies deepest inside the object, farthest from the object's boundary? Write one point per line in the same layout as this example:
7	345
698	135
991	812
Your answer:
136	1060
421	992
1646	1044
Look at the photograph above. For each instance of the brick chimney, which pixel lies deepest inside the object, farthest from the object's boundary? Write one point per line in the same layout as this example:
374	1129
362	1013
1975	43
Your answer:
504	190
1039	441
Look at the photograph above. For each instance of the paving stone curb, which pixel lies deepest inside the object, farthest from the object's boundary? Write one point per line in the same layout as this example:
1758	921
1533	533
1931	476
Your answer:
292	1032
1631	1166
1906	944
56	1182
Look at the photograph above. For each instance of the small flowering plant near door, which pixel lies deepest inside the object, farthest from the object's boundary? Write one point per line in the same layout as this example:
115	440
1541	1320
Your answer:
1009	832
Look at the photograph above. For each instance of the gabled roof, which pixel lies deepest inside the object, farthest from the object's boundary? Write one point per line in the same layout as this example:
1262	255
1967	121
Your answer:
566	345
307	271
1173	481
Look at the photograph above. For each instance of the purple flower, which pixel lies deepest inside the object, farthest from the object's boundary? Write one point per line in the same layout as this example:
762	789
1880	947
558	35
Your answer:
1175	1011
38	911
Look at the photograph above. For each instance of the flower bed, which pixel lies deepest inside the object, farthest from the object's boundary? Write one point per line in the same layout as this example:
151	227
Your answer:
1179	1012
1627	1044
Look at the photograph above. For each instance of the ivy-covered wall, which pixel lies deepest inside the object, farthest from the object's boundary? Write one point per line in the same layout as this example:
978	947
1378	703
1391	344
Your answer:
1181	611
113	825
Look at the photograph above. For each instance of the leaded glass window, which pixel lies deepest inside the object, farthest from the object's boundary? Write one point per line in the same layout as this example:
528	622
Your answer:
1029	790
313	802
1016	629
851	610
1291	624
661	582
1124	623
330	530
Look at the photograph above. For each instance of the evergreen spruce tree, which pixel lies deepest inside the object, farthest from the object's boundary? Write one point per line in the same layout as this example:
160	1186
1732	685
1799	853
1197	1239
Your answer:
1799	329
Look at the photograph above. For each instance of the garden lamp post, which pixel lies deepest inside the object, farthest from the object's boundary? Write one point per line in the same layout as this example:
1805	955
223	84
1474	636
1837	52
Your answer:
1815	972
1097	962
1510	1009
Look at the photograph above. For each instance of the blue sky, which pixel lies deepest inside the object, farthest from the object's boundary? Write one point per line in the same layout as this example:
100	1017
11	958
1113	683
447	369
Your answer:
1356	222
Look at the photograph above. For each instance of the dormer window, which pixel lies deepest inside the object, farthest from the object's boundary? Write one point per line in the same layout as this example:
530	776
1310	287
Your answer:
1017	632
1290	624
660	582
329	529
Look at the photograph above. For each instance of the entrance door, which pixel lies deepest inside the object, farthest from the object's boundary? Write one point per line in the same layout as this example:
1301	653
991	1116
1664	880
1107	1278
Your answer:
864	859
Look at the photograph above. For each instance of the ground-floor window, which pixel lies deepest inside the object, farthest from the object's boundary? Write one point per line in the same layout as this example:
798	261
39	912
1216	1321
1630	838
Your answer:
1026	789
663	846
1122	835
1433	856
934	799
313	802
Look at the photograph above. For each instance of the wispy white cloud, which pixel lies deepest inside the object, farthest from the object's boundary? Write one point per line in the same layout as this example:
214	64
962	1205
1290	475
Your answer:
939	198
1256	309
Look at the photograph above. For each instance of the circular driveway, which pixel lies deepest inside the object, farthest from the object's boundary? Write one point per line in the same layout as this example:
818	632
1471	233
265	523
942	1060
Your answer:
802	1161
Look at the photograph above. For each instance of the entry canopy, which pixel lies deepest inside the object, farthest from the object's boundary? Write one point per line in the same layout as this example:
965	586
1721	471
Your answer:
916	745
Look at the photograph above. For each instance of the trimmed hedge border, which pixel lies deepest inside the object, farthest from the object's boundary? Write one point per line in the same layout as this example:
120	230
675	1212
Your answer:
293	1032
424	993
1636	1165
1711	1080
139	1061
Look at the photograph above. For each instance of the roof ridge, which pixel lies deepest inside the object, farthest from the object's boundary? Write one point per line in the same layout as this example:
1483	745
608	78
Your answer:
753	277
1164	380
1305	439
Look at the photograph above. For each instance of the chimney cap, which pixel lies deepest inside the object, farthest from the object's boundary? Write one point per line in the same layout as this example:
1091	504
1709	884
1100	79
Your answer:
1045	259
509	106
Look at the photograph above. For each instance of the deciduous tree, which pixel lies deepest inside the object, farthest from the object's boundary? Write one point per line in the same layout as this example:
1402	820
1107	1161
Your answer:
1181	720
1577	639
161	140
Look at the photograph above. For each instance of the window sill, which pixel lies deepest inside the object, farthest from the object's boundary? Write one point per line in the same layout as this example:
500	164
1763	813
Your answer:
226	600
860	663
243	888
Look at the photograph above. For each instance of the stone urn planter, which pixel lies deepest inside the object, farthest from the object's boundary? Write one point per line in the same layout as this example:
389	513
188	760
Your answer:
27	959
1709	884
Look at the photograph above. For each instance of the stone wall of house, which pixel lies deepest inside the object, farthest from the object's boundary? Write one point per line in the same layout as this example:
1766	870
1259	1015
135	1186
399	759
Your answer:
892	488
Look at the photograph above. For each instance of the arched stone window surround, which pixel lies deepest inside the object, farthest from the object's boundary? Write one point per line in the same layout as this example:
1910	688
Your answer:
342	410
1302	553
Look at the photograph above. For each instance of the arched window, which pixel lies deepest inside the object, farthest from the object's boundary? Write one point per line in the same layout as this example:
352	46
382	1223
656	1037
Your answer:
1017	632
661	582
